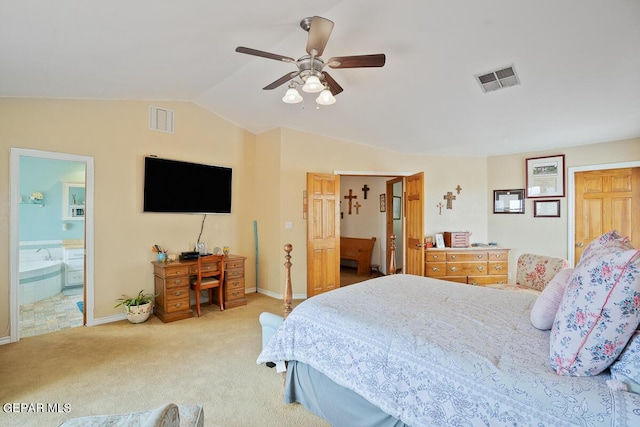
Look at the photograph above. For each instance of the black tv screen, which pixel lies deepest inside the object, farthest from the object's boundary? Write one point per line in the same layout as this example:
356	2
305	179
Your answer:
174	186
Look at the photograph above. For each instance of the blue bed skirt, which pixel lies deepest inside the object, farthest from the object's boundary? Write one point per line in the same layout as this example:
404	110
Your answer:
336	404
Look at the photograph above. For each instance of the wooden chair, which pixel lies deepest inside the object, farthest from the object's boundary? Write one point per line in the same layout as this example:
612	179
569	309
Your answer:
210	276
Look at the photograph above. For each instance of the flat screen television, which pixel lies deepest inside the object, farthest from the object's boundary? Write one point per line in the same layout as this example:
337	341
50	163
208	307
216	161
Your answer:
174	186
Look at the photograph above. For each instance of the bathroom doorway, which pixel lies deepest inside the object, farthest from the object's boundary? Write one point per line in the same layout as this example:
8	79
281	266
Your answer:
51	242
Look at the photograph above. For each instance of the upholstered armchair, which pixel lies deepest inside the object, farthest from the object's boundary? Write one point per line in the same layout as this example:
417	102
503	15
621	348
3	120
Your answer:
534	272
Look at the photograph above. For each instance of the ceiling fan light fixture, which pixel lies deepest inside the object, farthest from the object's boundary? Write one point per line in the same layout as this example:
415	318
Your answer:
292	96
326	98
312	85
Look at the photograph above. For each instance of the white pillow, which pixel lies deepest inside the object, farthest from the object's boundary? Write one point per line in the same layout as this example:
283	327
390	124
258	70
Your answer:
546	306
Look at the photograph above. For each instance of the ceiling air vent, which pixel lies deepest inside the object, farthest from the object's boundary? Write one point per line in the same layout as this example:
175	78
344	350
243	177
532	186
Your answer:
160	119
498	79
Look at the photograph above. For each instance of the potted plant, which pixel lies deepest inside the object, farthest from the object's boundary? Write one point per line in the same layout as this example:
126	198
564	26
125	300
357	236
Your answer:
138	309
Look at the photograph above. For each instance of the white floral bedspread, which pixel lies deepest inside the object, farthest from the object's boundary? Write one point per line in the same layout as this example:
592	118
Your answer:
436	353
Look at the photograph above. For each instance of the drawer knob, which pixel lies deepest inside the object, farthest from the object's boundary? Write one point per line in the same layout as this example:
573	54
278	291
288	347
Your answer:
435	269
435	257
474	283
177	293
453	256
235	294
177	281
498	267
480	268
178	305
480	256
500	282
454	268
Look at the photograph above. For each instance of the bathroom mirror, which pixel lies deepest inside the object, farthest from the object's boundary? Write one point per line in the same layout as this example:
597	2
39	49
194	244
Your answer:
73	201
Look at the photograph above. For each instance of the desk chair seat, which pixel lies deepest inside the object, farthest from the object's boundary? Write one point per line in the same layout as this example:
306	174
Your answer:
210	276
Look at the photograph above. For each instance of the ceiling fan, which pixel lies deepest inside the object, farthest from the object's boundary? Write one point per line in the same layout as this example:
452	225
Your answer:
311	67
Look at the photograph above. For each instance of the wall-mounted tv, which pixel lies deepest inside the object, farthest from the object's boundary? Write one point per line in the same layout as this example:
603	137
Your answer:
174	186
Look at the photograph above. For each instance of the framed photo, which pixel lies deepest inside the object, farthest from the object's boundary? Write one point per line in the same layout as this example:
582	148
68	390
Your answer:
439	241
508	201
397	207
545	176
546	208
383	203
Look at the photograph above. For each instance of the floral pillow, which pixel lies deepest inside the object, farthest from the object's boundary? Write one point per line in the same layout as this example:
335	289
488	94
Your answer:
599	311
627	368
606	242
546	306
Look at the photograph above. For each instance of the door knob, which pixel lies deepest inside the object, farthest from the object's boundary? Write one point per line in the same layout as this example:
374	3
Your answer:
580	244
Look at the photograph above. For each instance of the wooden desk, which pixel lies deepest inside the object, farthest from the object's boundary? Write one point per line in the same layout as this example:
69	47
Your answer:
172	286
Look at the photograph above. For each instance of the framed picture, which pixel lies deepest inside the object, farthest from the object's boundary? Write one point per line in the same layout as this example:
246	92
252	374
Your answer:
383	203
397	207
508	201
439	241
546	208
545	176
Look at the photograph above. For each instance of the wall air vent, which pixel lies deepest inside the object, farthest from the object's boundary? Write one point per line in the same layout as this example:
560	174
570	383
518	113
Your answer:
160	119
498	79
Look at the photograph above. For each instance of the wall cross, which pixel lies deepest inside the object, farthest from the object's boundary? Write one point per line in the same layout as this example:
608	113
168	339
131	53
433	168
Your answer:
365	189
350	197
357	206
449	198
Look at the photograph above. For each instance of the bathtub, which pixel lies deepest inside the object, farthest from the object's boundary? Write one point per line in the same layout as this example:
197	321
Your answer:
39	279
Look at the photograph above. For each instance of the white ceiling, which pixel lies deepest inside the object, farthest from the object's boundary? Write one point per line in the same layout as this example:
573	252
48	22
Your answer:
578	61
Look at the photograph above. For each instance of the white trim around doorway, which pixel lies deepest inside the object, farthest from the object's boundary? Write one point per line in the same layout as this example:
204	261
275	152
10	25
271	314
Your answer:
14	244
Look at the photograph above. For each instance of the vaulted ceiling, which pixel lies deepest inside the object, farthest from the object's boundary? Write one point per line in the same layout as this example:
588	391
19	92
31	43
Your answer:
578	62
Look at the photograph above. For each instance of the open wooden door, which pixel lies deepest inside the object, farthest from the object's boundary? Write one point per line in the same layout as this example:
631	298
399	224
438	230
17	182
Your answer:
606	200
414	224
323	233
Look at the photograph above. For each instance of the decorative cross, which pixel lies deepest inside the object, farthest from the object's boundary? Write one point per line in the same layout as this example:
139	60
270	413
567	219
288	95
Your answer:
350	197
458	189
439	206
365	189
449	198
357	206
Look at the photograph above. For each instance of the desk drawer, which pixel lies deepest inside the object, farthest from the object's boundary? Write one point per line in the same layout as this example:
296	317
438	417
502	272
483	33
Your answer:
234	274
175	282
178	270
177	293
234	295
179	304
234	284
239	263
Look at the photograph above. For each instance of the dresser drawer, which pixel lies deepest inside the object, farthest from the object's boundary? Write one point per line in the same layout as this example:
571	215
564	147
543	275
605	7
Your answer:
487	280
498	256
435	256
178	270
467	256
466	268
435	269
499	267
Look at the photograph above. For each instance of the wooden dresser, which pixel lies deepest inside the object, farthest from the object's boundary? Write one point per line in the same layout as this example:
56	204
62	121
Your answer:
474	266
172	286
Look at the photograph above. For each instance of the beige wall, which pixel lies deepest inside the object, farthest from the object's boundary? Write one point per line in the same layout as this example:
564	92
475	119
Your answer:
269	180
524	233
116	135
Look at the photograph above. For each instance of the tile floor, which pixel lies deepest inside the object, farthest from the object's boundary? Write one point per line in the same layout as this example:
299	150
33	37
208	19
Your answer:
58	312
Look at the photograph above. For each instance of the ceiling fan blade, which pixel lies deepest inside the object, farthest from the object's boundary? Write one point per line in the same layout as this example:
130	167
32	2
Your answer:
282	80
255	52
357	61
334	87
319	33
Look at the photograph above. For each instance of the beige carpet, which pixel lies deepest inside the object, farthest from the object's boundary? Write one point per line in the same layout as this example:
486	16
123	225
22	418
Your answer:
122	367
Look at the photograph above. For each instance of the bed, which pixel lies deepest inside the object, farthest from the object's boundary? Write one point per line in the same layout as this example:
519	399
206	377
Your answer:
409	350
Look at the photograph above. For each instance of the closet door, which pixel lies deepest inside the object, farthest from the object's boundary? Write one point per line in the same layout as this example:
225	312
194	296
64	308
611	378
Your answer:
415	224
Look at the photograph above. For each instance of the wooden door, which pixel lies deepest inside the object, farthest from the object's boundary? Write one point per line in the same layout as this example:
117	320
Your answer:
606	200
414	224
323	233
391	229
